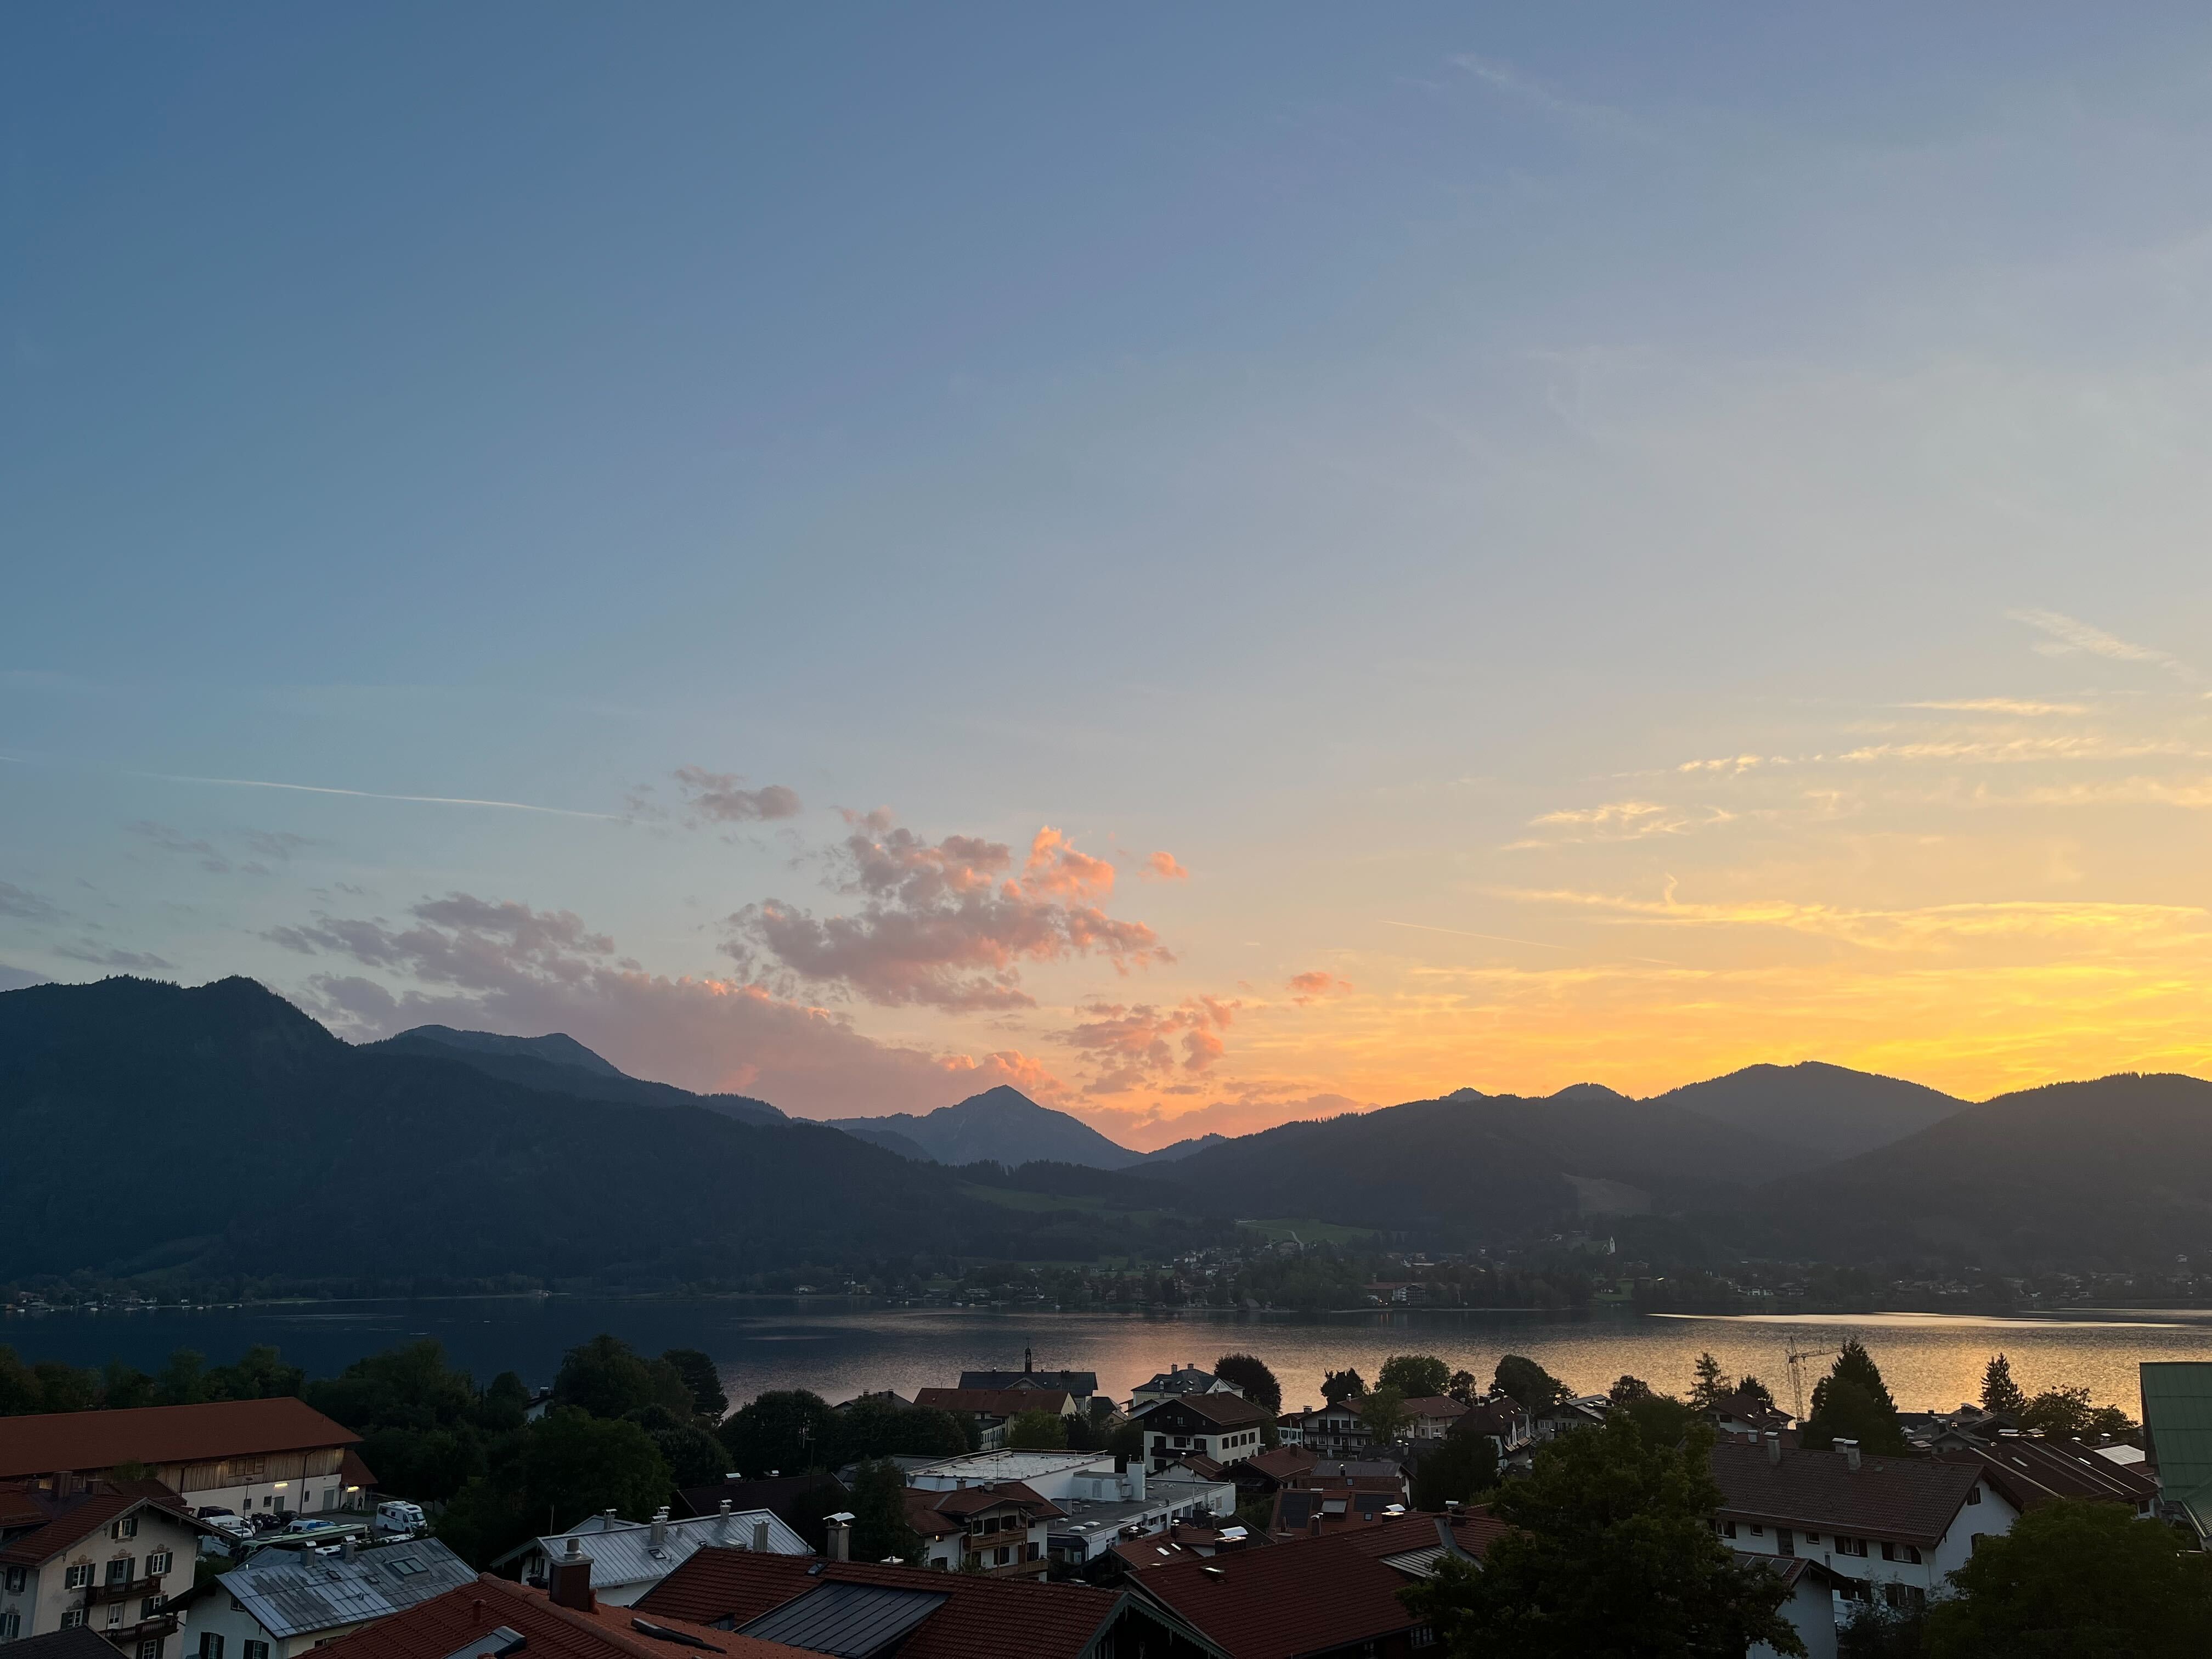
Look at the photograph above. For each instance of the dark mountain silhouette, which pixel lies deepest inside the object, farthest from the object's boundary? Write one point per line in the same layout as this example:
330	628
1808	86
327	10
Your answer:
219	1131
1471	1167
1002	1124
1828	1110
1184	1148
2113	1173
558	1064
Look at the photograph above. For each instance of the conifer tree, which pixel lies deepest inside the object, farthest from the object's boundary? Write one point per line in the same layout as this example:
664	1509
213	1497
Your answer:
1706	1393
1999	1392
1852	1403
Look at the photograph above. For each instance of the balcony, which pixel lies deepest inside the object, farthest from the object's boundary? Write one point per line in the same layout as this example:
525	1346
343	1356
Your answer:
127	1636
98	1593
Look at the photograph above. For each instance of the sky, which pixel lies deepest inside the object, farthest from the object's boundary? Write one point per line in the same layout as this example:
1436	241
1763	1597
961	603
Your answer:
1216	565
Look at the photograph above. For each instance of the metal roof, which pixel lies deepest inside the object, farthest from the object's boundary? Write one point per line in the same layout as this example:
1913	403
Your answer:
2177	1404
297	1595
624	1551
850	1622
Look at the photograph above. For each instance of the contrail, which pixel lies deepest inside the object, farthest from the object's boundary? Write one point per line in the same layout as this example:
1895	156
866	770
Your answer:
1462	934
375	794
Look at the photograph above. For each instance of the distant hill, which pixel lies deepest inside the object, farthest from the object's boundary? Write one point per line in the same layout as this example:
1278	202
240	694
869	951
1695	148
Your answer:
218	1131
558	1064
1471	1167
2113	1173
1828	1110
1184	1148
1001	1124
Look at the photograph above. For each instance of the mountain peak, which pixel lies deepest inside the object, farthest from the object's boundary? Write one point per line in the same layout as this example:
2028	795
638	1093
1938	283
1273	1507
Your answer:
1001	1124
556	1048
1590	1091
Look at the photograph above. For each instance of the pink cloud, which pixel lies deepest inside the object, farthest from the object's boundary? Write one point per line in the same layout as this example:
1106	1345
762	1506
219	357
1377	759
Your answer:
1133	1047
1313	986
1162	867
942	924
507	967
715	798
1244	1109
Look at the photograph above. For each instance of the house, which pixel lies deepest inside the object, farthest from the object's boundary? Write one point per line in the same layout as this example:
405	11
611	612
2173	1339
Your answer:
491	1619
1504	1422
1316	1510
75	1642
1224	1427
1899	1524
247	1455
907	1611
1583	1411
1104	1507
1263	1472
629	1557
1135	1554
1434	1416
1332	1431
799	1501
1058	1475
1739	1413
1001	1528
2176	1418
992	1409
1810	1606
2037	1469
1332	1598
1177	1382
1081	1386
105	1556
277	1603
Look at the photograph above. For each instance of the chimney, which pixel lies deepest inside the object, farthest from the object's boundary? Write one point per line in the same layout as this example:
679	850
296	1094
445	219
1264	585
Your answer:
658	1538
1773	1447
345	1547
1850	1451
722	1519
1026	1366
733	1474
840	1536
760	1537
1312	1525
572	1579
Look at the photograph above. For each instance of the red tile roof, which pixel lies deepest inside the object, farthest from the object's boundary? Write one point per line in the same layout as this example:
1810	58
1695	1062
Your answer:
1911	1499
69	1523
973	1500
1280	1462
994	1402
982	1617
1227	1410
87	1441
1308	1594
2034	1470
445	1624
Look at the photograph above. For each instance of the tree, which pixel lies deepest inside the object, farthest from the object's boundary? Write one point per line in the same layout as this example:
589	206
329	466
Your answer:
2077	1578
1528	1383
873	1427
1459	1469
259	1374
1707	1391
1250	1373
787	1430
1999	1392
1660	1419
1340	1386
183	1381
1627	1390
695	1457
565	1466
1851	1402
1462	1387
122	1387
701	1380
1384	1412
880	1529
605	1377
1126	1442
1755	1391
1612	1552
1036	1431
64	1388
1416	1376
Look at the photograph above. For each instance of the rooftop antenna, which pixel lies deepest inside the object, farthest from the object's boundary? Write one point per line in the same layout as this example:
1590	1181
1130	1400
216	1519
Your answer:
1795	1359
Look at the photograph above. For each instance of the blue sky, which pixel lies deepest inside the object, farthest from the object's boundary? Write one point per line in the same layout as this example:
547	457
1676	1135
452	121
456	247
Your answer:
1362	454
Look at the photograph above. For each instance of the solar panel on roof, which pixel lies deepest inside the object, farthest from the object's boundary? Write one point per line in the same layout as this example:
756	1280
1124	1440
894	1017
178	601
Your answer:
848	1621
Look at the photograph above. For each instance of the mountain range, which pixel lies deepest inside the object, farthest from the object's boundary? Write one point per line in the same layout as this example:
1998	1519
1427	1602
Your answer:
233	1134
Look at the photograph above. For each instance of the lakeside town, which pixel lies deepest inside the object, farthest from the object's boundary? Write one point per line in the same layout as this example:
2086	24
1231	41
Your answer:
400	1510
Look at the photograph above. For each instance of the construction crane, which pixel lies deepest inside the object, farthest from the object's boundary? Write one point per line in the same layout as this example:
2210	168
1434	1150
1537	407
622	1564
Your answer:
1795	1359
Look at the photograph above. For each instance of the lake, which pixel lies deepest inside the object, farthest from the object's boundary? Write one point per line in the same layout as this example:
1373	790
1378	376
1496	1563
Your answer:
838	1348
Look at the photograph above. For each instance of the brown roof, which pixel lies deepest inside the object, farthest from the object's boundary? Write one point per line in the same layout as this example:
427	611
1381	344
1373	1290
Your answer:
1227	1410
1296	1508
1436	1405
84	1442
355	1471
1749	1408
1280	1462
69	1522
955	1505
994	1402
1911	1499
2036	1470
982	1617
447	1623
1308	1595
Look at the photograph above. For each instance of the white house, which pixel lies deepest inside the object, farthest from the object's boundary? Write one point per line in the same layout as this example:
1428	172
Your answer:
100	1556
1001	1528
1894	1526
280	1602
1177	1381
629	1557
1224	1427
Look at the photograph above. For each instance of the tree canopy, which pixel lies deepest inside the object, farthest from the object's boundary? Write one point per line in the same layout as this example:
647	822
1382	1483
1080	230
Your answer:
1383	1411
1250	1373
1038	1431
551	1474
1346	1384
880	1529
784	1430
1851	1402
1999	1392
1416	1376
606	1378
2077	1580
1612	1553
1528	1383
1459	1469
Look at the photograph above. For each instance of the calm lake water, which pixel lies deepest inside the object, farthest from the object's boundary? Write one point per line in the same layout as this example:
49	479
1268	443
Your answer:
838	1348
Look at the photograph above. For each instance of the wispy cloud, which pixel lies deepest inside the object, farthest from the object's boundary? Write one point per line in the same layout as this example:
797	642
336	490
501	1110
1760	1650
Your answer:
1517	83
1311	987
2001	705
101	955
1162	867
24	905
1461	932
718	797
2069	637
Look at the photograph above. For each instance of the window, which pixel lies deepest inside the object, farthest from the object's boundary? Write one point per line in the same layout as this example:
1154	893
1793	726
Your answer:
125	1528
17	1577
405	1565
1912	1553
118	1572
148	1606
11	1625
1726	1529
157	1564
1975	1496
1811	1537
150	1648
1785	1542
211	1645
78	1576
115	1615
1850	1545
255	1649
1425	1635
1889	1551
73	1618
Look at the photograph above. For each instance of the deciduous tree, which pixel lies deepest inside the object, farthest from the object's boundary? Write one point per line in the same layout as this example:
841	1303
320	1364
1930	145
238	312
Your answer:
1416	1376
1526	1381
1250	1373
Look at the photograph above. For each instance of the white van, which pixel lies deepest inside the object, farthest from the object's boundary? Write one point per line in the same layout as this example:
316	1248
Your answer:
398	1520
